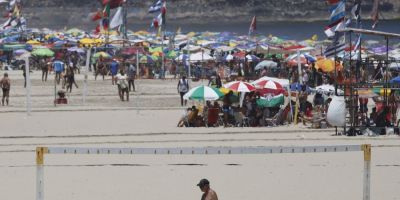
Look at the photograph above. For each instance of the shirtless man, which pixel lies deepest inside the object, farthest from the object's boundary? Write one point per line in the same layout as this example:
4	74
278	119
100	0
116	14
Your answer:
208	193
5	84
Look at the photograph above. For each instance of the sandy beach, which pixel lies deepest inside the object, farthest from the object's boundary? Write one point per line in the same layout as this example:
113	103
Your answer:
149	120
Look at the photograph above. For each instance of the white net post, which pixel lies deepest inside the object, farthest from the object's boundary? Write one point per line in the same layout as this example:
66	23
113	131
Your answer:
40	151
367	172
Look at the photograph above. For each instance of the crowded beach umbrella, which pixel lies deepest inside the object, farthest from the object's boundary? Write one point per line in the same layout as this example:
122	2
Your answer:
240	86
380	50
74	32
101	54
304	59
172	54
19	52
269	87
327	89
228	57
366	93
266	64
43	52
297	87
203	93
283	82
394	66
270	101
13	47
327	65
76	49
395	80
252	58
33	42
146	59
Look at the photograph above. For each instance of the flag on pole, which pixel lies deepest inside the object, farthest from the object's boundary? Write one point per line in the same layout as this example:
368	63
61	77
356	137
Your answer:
253	25
163	14
338	12
356	10
332	28
337	46
117	20
156	7
375	13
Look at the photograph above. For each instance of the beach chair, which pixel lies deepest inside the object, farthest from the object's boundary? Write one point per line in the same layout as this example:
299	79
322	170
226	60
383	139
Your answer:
212	117
275	120
241	120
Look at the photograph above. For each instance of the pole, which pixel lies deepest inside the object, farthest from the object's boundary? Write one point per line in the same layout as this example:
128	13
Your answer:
188	49
85	81
299	67
55	90
162	55
40	151
137	63
28	87
367	172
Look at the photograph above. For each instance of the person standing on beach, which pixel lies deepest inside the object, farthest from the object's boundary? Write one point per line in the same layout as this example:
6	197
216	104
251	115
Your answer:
122	85
131	77
114	70
208	193
183	88
58	68
5	85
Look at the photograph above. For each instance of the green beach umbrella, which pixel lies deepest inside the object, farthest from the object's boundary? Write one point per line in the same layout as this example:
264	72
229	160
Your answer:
43	52
274	101
203	93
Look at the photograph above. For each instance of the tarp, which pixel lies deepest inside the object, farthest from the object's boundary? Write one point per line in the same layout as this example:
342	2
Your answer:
336	115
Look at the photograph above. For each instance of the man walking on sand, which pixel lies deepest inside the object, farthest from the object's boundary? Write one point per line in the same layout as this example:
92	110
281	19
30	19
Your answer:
5	85
183	88
208	193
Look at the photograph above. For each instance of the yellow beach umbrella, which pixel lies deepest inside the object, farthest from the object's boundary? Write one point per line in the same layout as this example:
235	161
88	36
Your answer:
327	65
33	42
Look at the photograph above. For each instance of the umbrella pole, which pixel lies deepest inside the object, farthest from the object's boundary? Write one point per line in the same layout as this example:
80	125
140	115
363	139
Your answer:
137	64
85	81
28	88
290	103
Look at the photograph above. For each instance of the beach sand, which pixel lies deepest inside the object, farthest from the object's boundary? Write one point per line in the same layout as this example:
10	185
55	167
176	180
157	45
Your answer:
149	120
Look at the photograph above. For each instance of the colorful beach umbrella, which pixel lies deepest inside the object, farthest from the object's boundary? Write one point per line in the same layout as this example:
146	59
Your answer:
327	65
203	93
271	101
43	52
266	64
240	86
101	54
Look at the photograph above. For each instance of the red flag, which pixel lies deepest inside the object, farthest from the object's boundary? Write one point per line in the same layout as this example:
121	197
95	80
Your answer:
98	15
333	1
113	3
163	13
253	25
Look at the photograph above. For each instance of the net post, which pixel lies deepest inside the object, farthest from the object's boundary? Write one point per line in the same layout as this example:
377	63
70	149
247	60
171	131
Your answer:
367	171
40	152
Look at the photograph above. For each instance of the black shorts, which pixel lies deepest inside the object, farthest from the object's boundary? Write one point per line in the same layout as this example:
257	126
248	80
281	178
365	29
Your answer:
6	91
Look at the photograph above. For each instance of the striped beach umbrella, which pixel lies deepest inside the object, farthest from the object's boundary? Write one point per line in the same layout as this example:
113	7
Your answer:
203	93
269	86
240	86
